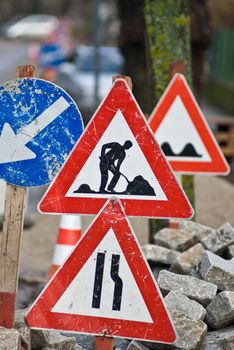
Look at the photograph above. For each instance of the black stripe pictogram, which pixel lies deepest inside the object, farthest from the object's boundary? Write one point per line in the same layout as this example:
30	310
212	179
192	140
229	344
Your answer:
118	282
97	289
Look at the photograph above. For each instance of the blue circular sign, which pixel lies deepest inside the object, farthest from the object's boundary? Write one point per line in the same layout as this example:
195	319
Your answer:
39	125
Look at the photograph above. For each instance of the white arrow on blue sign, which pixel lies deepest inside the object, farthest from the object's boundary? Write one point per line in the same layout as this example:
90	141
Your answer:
39	125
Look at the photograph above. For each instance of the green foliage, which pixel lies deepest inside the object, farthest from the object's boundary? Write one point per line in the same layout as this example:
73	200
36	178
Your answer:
168	30
168	27
188	186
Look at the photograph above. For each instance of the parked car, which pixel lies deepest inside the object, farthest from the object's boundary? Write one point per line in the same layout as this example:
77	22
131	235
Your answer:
78	77
30	27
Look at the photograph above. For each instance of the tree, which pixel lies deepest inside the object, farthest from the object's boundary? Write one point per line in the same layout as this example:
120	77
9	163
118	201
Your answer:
133	44
168	26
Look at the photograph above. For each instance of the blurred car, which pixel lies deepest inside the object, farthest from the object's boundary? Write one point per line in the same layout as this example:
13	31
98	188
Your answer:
78	77
30	27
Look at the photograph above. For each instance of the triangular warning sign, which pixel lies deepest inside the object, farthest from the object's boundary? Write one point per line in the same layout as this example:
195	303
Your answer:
117	156
183	133
105	287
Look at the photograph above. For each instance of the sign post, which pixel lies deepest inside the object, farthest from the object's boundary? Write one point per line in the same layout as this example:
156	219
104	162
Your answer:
104	343
39	125
11	238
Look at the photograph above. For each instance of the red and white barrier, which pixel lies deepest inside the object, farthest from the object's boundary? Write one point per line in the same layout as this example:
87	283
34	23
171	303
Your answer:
68	235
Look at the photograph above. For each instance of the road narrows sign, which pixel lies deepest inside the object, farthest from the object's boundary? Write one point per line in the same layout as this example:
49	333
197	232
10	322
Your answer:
117	156
183	133
39	124
105	286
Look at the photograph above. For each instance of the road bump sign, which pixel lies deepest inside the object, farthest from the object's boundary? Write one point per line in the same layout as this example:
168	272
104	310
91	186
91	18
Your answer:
39	125
183	133
105	286
117	156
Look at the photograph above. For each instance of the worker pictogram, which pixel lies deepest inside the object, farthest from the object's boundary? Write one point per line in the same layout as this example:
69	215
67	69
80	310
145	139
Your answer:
117	156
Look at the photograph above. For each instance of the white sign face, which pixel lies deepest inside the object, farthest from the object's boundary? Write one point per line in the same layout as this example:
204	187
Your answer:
133	164
178	136
183	133
117	156
105	286
96	279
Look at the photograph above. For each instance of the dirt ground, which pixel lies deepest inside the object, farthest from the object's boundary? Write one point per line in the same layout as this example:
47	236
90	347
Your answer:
214	206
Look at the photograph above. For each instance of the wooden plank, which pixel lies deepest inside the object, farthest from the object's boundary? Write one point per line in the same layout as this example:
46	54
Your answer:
226	141
26	71
125	77
11	239
10	251
222	136
224	132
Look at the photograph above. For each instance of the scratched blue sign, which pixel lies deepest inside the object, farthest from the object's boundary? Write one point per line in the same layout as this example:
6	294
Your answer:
39	125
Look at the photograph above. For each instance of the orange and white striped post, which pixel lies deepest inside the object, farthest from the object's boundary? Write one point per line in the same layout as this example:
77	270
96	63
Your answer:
68	235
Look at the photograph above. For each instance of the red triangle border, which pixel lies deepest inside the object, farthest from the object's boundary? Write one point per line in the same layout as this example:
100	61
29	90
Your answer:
111	216
179	87
119	98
